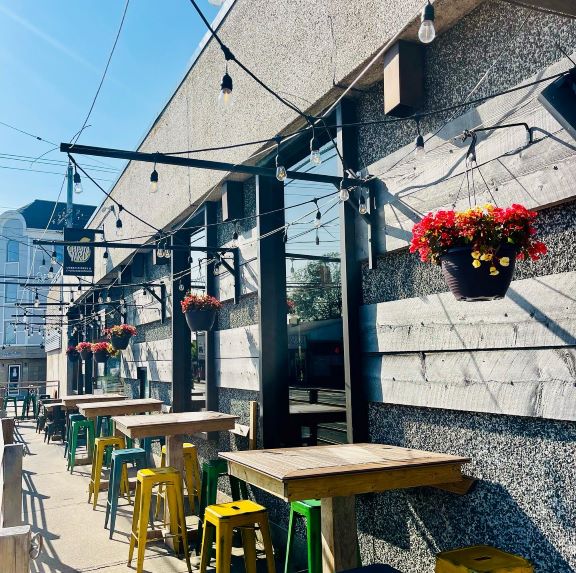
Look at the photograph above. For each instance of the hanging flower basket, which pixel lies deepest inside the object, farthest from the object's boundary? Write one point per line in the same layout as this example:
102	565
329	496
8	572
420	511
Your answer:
73	354
475	284
200	311
478	248
102	351
120	335
101	356
85	350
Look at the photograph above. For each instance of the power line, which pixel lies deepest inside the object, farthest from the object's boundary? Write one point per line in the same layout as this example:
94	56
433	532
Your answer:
24	132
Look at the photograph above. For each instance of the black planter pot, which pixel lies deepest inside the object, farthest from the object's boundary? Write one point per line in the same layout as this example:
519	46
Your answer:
471	284
74	357
120	342
200	320
101	356
86	354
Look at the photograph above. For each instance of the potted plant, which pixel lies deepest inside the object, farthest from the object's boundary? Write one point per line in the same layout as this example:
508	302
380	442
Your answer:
478	248
85	350
73	354
120	335
200	311
102	351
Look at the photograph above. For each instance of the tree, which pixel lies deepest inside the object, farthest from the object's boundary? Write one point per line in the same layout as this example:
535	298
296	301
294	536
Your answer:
318	297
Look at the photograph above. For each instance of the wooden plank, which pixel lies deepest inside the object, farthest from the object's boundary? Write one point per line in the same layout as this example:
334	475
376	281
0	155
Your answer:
15	549
120	408
11	486
72	401
339	534
7	434
535	382
537	312
253	435
182	423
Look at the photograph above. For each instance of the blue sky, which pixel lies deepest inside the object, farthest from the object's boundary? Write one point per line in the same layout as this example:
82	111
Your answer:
52	54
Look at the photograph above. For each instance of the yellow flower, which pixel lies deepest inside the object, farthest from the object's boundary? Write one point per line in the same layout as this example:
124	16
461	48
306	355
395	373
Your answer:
486	257
475	254
476	263
494	271
489	207
504	261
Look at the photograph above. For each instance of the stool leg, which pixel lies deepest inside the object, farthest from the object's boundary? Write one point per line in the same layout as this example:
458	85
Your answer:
143	524
97	471
207	541
249	544
172	504
182	521
223	547
314	540
135	520
267	541
114	494
287	562
109	495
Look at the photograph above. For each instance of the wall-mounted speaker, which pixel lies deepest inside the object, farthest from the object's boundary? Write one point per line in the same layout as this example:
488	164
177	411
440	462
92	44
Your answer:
559	99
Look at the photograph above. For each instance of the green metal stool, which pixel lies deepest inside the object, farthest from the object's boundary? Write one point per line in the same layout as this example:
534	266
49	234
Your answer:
77	427
70	420
14	400
310	510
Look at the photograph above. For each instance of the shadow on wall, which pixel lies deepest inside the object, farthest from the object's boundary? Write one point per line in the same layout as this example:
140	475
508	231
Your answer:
524	502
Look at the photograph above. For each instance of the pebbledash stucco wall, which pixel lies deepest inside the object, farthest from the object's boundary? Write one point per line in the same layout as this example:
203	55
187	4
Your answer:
525	498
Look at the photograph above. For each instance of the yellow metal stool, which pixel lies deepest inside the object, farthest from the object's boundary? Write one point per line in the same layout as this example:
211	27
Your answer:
220	520
100	446
481	559
191	476
145	481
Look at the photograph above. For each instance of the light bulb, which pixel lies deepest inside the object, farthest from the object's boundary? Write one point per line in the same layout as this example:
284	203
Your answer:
362	209
318	220
51	273
154	181
108	298
77	183
105	255
419	152
427	32
235	239
225	98
344	194
36	303
119	230
100	299
281	173
315	157
181	287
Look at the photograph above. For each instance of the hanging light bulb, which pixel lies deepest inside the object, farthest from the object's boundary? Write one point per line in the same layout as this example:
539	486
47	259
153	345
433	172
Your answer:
105	255
317	238
315	157
362	209
344	194
419	150
119	230
427	32
225	98
280	169
235	235
77	182
154	180
36	301
100	299
108	298
181	287
318	219
51	272
53	258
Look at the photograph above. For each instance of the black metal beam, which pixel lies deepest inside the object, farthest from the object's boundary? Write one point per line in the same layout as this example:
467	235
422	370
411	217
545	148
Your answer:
202	164
181	337
210	219
273	334
133	246
351	280
301	257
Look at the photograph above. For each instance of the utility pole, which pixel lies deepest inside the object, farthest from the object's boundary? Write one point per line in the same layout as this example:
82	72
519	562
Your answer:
69	198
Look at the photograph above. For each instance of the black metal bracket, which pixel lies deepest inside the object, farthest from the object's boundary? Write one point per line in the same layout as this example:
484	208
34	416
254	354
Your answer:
234	270
369	218
161	299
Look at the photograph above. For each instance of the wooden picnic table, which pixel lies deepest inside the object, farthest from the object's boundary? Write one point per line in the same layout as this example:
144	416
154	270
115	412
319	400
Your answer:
335	474
119	407
73	400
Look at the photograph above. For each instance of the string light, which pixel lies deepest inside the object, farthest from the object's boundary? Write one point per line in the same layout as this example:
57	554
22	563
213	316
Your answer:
119	222
280	169
317	238
225	98
105	255
108	297
343	194
419	151
77	182
36	301
362	209
315	157
318	219
427	32
100	299
51	272
154	180
235	235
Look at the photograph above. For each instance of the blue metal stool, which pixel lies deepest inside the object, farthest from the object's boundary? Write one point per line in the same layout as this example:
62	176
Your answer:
120	458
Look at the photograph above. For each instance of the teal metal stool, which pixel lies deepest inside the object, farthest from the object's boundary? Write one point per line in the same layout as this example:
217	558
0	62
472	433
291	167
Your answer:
120	458
14	401
309	509
71	419
78	427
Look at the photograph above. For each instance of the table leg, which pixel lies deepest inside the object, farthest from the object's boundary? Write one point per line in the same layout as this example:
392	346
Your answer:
175	459
339	534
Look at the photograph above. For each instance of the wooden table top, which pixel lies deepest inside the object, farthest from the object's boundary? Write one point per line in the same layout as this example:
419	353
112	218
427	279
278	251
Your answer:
182	423
317	413
73	400
120	407
51	405
342	470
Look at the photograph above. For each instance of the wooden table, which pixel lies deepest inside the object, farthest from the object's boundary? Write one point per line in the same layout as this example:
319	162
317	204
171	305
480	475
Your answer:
73	400
335	474
119	407
51	405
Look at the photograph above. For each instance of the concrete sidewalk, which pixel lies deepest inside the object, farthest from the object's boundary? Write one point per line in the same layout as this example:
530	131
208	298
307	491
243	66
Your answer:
56	504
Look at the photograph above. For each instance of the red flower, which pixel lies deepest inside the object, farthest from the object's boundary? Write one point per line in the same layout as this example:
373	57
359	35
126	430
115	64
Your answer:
200	302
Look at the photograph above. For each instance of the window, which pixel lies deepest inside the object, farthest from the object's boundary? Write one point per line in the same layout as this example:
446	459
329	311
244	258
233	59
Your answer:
9	334
12	252
11	293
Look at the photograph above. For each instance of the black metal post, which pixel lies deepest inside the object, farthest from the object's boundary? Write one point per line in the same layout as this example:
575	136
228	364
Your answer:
356	405
209	343
181	338
273	362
